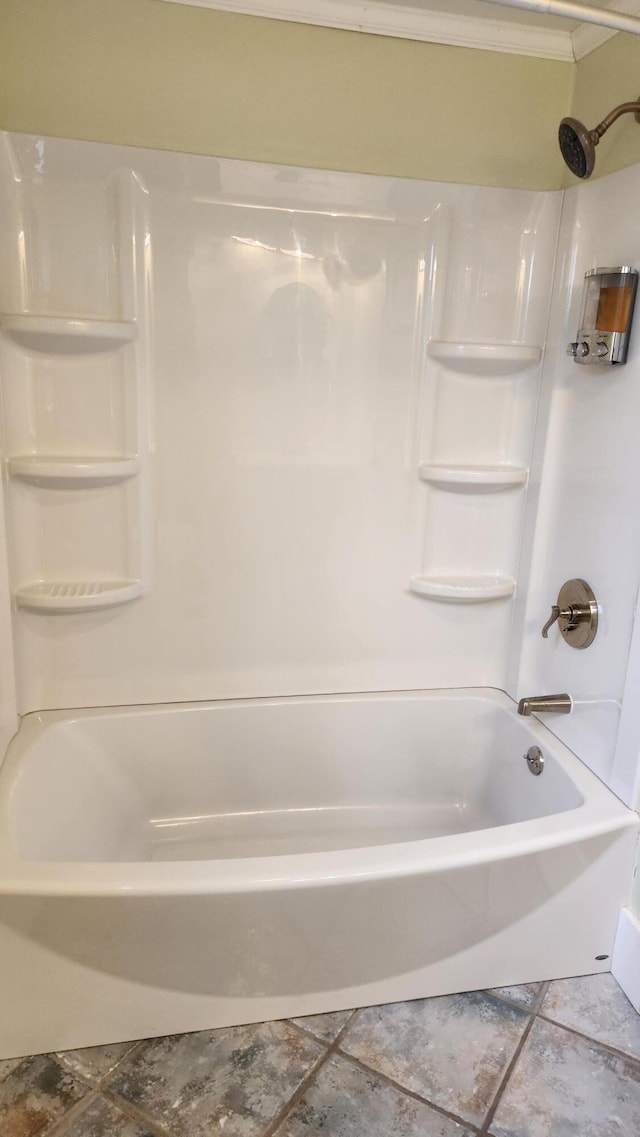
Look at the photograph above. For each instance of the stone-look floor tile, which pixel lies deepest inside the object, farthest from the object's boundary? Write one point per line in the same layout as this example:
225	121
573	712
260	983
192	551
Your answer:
235	1079
94	1062
35	1095
566	1086
7	1065
101	1118
525	995
452	1050
325	1027
343	1101
595	1005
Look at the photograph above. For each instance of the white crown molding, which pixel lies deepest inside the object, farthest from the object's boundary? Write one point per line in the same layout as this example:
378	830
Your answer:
588	37
431	27
407	23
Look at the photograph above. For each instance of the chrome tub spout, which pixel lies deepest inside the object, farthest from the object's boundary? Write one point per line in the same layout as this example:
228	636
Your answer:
545	704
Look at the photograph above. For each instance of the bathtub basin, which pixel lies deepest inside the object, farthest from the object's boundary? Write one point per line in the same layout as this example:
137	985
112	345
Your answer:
174	868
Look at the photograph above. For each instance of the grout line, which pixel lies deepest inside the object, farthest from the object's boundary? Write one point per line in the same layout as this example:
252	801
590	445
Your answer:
97	1088
308	1033
89	1079
542	994
135	1045
310	1076
135	1113
105	1080
405	1090
506	1077
69	1117
531	1008
528	1010
536	1013
353	1017
594	1041
298	1094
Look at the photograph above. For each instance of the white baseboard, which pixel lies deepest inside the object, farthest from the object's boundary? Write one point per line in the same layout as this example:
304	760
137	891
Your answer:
625	962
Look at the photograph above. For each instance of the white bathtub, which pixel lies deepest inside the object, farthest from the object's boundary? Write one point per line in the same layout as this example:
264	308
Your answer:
173	868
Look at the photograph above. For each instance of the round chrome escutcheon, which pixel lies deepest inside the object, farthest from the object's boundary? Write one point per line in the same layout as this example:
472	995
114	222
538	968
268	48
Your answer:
579	625
534	759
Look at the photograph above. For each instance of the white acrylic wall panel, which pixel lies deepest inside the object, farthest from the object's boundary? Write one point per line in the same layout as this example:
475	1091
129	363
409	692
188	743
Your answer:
588	521
9	199
293	402
73	355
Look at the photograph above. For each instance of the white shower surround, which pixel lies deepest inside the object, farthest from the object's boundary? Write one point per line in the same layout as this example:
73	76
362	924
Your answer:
310	470
290	407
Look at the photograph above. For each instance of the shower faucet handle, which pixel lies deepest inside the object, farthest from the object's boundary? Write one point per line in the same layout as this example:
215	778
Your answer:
555	615
576	612
571	615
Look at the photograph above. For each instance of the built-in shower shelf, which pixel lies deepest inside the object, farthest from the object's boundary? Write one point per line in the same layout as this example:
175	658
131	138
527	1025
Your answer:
473	479
62	335
486	359
463	589
76	596
58	472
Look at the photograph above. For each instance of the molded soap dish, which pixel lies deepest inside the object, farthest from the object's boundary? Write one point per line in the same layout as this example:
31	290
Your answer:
59	472
490	359
473	479
76	596
463	589
65	335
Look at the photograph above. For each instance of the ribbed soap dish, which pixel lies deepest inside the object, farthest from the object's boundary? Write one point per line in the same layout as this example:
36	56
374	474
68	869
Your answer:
463	589
76	596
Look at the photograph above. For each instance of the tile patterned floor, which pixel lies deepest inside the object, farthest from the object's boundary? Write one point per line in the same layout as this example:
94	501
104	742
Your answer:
542	1060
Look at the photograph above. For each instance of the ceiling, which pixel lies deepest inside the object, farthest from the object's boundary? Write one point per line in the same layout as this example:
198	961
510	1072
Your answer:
467	23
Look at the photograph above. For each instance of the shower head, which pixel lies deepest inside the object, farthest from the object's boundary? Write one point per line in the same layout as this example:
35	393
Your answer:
578	144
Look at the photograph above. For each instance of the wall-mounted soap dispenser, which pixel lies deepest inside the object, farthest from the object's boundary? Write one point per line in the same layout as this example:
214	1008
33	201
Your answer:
607	311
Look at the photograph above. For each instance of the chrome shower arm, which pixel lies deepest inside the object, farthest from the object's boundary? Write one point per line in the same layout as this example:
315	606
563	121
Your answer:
570	9
578	143
624	108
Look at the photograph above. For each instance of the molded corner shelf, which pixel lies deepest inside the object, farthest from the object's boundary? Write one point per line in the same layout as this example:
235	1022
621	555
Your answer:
473	479
57	472
76	596
463	589
65	335
490	359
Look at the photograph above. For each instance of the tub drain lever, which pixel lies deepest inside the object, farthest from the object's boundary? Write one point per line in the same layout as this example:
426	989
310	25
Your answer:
534	759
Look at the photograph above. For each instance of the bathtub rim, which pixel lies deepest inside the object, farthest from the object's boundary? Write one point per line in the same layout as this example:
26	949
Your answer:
600	813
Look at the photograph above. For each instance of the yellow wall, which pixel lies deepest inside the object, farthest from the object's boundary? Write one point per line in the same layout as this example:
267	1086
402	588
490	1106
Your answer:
145	73
608	76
